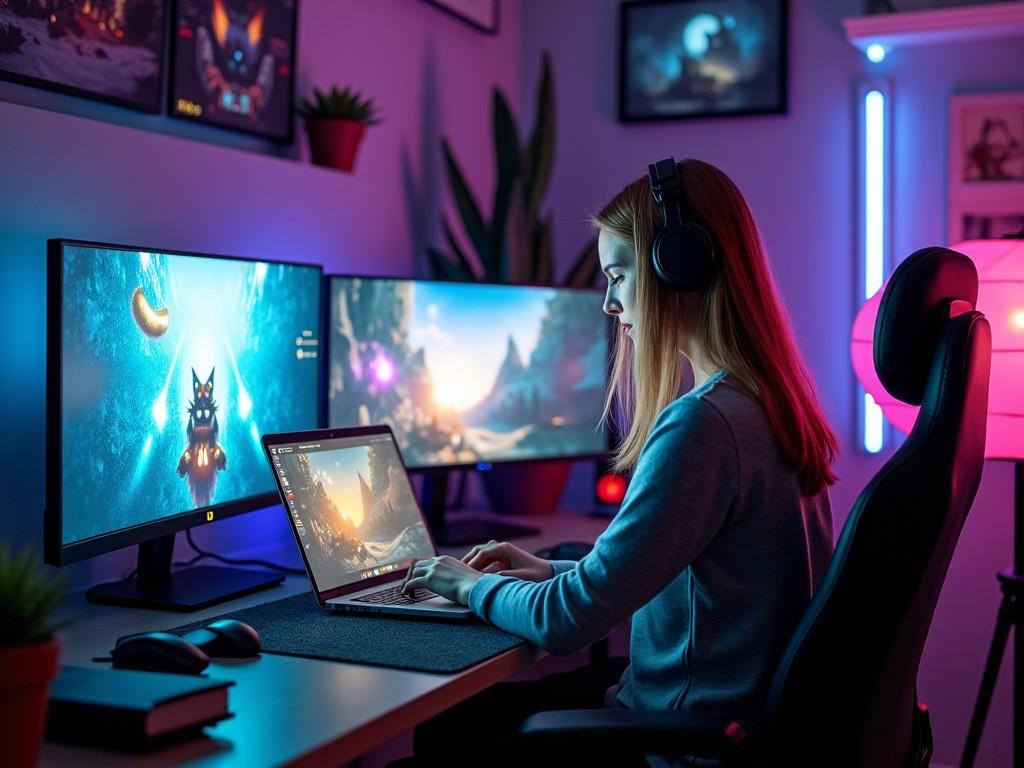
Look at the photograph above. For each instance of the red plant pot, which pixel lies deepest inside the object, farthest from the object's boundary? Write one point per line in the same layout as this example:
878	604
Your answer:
25	675
533	488
333	141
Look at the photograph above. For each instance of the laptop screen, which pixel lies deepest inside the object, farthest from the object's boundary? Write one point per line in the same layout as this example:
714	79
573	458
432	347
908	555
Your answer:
352	507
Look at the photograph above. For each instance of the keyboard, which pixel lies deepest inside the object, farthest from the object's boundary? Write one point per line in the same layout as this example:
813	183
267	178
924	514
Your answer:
394	596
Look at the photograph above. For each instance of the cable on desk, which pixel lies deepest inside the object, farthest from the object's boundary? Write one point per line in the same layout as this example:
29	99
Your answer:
201	553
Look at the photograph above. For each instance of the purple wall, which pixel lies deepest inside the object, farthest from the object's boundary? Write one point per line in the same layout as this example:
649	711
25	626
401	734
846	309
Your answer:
798	173
105	179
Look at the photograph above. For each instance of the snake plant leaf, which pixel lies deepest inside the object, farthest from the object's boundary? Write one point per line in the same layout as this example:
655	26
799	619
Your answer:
542	267
506	154
585	268
444	268
461	261
519	241
472	220
540	154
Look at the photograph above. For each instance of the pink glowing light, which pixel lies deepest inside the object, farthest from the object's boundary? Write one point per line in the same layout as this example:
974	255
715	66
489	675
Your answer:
383	370
1000	266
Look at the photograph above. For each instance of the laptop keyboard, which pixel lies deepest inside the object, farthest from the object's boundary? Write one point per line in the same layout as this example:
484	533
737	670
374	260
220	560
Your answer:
394	596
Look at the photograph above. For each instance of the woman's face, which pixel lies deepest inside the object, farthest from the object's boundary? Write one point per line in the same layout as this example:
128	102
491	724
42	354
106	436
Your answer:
618	262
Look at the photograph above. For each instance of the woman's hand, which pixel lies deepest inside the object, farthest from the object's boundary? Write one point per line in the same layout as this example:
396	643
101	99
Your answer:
508	560
444	575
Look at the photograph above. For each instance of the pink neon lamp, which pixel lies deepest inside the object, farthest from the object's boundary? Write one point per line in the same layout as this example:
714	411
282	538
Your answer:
1000	266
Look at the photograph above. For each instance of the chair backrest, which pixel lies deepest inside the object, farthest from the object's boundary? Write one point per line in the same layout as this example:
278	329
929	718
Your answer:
844	691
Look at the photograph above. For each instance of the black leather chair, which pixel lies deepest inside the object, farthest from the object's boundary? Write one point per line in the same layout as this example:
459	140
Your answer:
843	693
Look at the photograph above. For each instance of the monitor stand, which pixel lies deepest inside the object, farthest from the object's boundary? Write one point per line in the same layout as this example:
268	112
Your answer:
453	533
154	586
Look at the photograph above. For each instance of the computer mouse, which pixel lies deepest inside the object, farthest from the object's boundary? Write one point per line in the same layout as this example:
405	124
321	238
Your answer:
228	638
159	652
567	550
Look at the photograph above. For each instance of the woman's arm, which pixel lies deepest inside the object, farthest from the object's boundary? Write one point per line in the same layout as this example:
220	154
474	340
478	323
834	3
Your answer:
684	485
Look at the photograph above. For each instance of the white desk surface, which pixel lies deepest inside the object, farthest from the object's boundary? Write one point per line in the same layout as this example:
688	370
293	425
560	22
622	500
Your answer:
292	710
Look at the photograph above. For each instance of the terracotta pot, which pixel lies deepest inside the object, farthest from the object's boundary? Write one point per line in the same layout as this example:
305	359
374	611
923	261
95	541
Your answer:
25	675
333	141
527	489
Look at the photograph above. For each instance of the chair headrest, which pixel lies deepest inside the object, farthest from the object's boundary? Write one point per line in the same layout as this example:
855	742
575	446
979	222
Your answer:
926	289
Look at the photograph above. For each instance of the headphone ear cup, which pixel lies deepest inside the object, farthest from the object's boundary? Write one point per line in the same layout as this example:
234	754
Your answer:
683	256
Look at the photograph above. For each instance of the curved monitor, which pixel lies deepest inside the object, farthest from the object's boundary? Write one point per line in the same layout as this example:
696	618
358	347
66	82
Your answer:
469	373
163	370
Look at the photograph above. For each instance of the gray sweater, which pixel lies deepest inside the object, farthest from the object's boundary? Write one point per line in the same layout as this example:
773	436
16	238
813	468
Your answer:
714	553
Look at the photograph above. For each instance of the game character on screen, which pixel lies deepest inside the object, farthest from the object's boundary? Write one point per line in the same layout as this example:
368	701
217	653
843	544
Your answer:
204	456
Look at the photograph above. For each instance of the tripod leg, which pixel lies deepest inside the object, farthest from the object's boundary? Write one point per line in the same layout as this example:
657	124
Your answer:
988	680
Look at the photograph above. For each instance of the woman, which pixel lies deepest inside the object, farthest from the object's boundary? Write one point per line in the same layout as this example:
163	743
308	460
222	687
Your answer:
726	529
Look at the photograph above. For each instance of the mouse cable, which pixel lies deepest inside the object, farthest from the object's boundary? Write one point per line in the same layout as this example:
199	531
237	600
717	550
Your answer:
201	553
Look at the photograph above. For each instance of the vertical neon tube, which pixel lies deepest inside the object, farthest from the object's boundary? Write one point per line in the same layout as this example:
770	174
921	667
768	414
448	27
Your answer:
874	192
874	221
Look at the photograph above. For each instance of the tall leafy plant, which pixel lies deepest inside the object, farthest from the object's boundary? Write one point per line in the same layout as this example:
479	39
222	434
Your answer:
515	243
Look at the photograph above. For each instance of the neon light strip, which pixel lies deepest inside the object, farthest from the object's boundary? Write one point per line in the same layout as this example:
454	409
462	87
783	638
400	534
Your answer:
873	436
874	192
874	433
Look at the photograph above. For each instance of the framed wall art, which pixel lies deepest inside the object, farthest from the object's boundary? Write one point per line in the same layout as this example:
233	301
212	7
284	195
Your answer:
233	64
701	58
109	51
986	165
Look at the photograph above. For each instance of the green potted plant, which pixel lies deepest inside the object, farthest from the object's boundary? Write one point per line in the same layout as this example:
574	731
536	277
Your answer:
29	650
335	123
514	245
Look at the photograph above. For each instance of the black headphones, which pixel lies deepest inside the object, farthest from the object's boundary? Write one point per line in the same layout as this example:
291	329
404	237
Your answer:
683	251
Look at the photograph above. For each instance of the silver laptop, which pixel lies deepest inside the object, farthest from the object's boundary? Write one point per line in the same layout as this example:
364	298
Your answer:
356	519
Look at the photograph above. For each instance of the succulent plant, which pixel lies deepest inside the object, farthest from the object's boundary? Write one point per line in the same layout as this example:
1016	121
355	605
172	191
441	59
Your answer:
516	244
28	597
345	104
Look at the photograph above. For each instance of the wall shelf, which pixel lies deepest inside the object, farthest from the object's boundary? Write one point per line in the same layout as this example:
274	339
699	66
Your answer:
987	21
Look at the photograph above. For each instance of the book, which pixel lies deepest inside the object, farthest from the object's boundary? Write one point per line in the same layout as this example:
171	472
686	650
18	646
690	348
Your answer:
129	709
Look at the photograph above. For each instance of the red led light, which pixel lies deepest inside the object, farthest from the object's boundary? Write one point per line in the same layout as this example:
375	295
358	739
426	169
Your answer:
611	489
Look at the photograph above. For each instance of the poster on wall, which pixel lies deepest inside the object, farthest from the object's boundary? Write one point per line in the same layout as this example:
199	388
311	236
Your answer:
109	50
986	166
233	64
701	58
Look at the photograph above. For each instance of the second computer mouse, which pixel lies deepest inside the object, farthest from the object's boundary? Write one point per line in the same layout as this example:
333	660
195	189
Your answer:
159	652
228	638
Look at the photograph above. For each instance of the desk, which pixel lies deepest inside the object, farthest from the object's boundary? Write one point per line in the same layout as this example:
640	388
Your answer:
293	710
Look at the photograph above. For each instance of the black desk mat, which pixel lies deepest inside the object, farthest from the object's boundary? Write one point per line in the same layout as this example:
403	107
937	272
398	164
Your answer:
297	626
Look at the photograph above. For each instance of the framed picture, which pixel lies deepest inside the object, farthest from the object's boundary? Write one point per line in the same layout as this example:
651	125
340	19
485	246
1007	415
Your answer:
233	64
109	51
482	14
986	221
986	165
701	58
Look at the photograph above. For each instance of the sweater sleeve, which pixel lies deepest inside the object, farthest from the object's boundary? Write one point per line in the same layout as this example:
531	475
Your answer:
684	485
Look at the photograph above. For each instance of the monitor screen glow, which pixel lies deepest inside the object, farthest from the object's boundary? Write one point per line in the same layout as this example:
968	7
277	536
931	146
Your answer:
465	373
171	367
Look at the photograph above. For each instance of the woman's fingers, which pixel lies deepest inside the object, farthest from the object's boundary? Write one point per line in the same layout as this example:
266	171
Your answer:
488	554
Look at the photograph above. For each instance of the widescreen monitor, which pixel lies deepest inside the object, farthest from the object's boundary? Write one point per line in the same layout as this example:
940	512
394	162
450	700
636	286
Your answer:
164	369
469	373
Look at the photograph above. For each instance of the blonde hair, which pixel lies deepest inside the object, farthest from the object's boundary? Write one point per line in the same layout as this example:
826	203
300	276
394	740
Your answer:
741	324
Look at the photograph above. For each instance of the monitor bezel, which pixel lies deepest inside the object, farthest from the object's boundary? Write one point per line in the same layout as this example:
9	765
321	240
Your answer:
486	465
55	550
